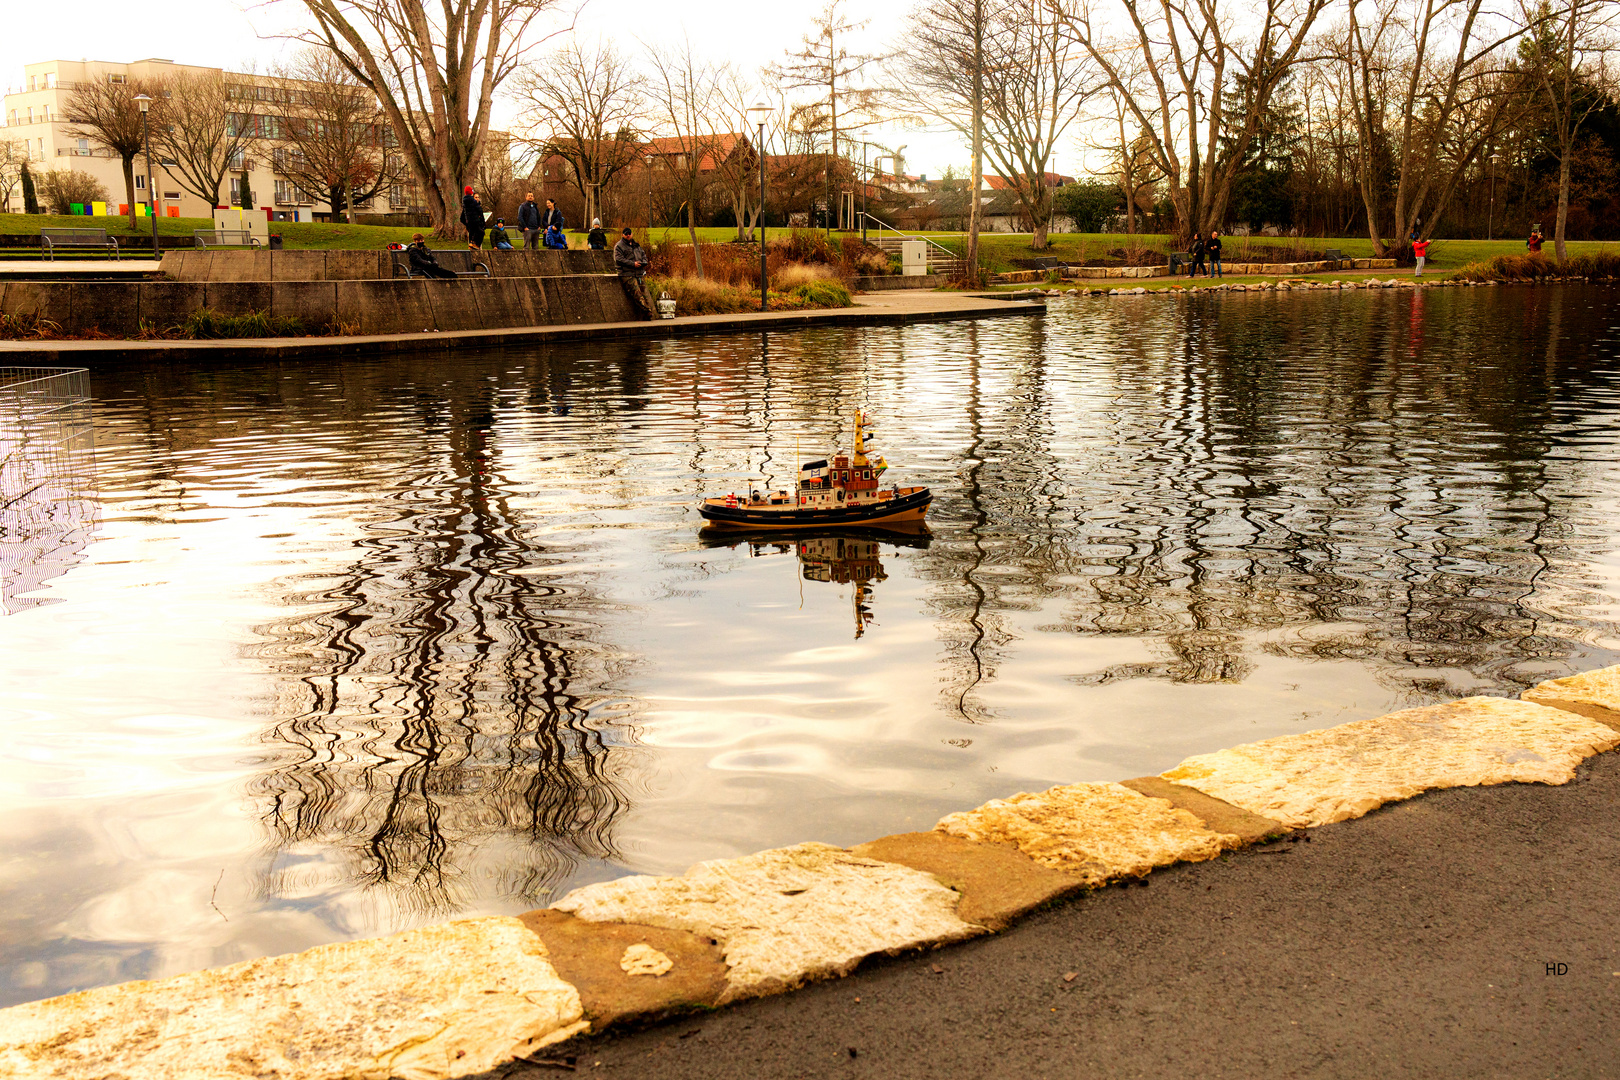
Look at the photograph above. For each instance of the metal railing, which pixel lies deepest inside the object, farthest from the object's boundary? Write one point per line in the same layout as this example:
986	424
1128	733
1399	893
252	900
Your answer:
957	255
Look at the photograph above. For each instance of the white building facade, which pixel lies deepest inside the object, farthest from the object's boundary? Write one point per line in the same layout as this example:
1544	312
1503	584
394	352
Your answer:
33	116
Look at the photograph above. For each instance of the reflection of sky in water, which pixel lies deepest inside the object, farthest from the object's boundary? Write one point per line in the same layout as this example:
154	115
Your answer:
362	646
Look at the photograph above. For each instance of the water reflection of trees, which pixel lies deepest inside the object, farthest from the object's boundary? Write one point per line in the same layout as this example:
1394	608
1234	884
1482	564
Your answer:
48	506
1299	479
450	694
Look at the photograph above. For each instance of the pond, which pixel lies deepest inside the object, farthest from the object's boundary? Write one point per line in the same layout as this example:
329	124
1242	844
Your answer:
308	652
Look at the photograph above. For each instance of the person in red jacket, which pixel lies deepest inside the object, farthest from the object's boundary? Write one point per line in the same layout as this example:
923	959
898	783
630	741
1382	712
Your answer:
1420	251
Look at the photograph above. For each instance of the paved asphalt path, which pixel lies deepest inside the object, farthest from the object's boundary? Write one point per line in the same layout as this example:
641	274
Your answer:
1414	942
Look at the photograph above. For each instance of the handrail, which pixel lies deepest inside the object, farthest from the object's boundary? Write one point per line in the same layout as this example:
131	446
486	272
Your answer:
909	236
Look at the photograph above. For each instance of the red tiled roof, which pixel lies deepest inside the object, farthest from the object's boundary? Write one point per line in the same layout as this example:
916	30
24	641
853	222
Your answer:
1001	183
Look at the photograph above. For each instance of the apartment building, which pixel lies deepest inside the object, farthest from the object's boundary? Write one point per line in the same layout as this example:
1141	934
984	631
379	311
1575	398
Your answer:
32	115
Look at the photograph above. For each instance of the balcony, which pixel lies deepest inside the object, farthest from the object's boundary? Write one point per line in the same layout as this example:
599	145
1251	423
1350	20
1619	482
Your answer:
74	151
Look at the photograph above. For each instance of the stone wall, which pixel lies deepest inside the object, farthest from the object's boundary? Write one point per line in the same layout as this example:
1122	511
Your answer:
362	265
1233	268
393	306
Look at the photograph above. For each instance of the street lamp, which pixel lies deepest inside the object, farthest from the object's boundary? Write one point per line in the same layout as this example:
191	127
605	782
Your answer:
1490	216
151	186
758	113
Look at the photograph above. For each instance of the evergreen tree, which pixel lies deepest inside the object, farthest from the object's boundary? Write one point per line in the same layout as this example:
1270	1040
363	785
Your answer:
1262	187
30	198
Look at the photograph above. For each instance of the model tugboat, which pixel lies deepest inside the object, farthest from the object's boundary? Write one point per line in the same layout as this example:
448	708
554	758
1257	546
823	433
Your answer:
843	491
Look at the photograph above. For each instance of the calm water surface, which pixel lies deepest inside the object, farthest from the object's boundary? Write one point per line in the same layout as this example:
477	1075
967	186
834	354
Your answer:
329	650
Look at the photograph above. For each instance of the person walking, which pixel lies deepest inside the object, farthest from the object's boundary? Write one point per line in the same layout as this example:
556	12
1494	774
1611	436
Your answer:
422	260
631	261
1213	249
1420	252
597	238
529	222
1196	250
472	216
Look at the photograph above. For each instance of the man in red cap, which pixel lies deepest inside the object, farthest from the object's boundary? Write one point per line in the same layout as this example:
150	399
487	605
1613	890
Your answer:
472	216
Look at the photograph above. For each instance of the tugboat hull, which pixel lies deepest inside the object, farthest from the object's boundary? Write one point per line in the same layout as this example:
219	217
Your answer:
908	504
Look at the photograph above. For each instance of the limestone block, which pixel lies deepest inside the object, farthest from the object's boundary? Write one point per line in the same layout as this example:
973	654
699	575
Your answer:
643	959
508	301
1222	817
996	883
1361	264
616	305
1594	694
785	916
239	266
1096	832
588	955
455	305
1380	264
445	1001
113	307
298	266
167	303
572	300
1342	772
394	306
312	302
237	297
173	265
354	266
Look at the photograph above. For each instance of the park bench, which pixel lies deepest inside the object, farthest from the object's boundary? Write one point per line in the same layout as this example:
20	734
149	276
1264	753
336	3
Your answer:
460	263
206	238
51	239
1333	255
1178	259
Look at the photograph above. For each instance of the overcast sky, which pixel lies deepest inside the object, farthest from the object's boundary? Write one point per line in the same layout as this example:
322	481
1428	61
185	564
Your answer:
233	34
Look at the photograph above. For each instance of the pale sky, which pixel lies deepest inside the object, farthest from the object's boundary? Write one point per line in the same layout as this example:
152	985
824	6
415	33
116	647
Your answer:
227	33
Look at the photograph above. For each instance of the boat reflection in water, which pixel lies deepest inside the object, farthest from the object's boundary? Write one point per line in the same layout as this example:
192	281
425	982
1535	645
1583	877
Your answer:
850	556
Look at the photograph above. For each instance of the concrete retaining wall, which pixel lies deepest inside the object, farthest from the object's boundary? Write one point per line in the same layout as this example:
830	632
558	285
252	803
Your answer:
392	306
345	265
1233	268
889	282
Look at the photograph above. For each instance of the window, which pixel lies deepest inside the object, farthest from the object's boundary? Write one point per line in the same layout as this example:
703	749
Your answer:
84	148
172	196
31	85
30	114
117	80
50	79
236	160
140	182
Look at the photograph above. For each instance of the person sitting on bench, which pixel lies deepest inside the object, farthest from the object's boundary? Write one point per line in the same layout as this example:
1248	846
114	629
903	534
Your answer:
422	260
555	239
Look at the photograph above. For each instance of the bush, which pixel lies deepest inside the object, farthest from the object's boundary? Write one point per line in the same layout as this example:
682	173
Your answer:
796	274
61	188
824	293
207	323
27	324
700	296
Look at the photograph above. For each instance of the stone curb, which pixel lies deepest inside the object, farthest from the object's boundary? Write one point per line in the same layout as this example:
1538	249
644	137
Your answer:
113	350
468	997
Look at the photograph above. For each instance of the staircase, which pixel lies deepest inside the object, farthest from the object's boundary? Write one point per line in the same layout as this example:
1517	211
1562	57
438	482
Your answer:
940	261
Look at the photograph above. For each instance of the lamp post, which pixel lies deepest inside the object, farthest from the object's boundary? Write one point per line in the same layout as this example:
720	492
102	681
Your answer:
758	114
151	186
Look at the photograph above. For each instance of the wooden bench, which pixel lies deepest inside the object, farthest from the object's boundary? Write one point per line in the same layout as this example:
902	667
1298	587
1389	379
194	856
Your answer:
459	263
51	239
204	238
1333	255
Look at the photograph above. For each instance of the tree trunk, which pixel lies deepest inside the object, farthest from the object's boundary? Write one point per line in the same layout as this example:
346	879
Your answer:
971	270
691	230
129	188
1563	204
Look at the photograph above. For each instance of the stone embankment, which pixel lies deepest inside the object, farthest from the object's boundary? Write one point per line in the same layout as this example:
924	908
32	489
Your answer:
1235	269
463	998
1297	286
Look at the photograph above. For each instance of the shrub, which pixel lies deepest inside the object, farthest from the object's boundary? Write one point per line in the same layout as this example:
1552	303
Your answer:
27	324
824	293
207	323
61	188
795	274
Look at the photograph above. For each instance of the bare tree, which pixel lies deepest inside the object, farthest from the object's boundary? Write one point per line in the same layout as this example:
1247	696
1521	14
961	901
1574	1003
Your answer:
201	128
827	66
1427	69
583	105
333	142
106	112
13	156
497	178
1566	50
686	96
61	188
939	73
738	171
434	70
1195	59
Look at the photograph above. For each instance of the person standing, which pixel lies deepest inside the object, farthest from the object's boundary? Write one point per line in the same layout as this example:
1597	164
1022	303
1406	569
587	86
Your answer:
1196	250
472	216
1420	252
1213	249
529	222
597	238
631	261
1534	243
552	216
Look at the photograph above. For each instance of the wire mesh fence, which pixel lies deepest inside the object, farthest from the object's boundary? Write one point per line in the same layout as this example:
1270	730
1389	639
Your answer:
48	509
